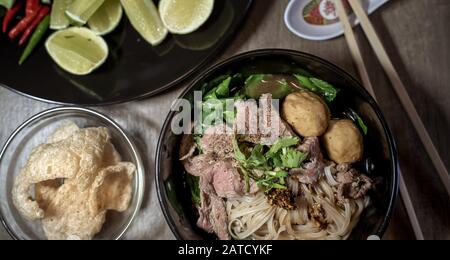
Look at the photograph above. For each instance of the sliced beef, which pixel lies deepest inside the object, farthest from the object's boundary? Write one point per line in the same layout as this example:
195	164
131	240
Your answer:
227	180
218	179
309	173
219	218
261	125
346	177
311	146
353	185
199	165
187	147
343	167
246	122
218	141
213	216
204	210
272	127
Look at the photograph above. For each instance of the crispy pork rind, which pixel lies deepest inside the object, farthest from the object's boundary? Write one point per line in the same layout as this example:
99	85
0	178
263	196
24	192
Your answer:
111	156
80	155
47	162
112	188
64	131
45	191
69	215
78	177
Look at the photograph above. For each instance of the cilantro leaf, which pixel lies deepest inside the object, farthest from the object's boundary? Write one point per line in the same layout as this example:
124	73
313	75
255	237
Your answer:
238	155
257	159
282	143
292	158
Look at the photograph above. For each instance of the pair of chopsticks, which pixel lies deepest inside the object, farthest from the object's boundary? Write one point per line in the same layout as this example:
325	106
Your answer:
401	91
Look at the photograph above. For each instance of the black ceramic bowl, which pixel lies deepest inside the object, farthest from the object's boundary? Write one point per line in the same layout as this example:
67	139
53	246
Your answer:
380	153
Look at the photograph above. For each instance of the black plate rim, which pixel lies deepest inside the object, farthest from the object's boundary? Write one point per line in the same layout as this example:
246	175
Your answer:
391	141
208	58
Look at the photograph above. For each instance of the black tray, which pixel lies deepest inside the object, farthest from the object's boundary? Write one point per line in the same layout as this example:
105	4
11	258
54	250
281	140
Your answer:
134	68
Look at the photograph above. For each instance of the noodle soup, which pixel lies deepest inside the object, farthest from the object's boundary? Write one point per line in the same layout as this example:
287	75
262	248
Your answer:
287	153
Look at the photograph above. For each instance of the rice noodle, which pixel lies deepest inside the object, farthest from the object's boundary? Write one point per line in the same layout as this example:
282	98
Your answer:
330	178
252	217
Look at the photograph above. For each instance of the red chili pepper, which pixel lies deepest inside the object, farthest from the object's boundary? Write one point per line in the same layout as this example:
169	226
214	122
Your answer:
10	14
22	25
31	7
42	13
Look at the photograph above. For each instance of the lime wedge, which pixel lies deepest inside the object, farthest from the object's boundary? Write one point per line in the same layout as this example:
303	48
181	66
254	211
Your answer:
107	17
58	18
183	17
77	50
81	10
144	17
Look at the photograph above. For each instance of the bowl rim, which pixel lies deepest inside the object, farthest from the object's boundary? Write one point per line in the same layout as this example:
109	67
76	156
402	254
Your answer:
394	188
140	169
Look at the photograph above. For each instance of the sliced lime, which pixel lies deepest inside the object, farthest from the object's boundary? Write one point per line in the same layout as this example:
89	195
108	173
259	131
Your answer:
81	10
183	17
77	50
58	18
107	17
144	17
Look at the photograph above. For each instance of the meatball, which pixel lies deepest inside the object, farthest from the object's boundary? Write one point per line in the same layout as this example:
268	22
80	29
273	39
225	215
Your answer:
343	142
307	113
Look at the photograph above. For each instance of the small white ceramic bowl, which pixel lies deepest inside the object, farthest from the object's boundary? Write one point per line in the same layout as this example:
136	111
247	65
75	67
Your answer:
294	20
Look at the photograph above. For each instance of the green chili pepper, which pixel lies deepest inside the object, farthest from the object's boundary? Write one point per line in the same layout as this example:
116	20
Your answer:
35	38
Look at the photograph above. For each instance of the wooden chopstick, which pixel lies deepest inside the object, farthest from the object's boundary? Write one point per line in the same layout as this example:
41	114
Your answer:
407	202
402	93
353	46
357	57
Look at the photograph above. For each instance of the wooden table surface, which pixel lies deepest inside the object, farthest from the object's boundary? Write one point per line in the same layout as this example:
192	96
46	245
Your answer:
417	36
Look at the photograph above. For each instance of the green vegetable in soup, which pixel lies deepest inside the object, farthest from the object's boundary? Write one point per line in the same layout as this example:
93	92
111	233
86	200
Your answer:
172	196
282	143
278	85
358	120
194	187
361	124
318	86
292	158
272	166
